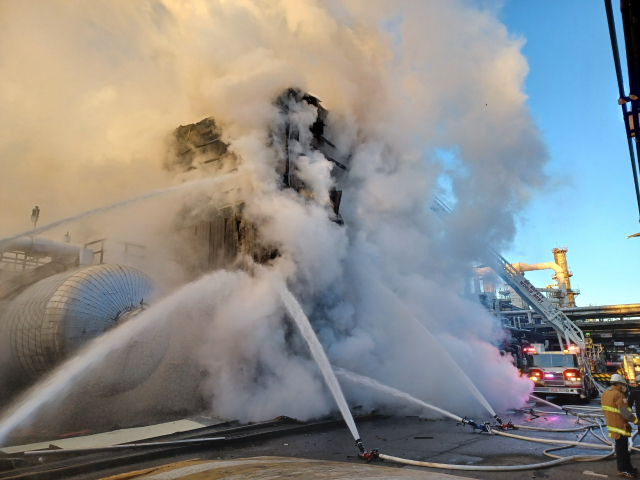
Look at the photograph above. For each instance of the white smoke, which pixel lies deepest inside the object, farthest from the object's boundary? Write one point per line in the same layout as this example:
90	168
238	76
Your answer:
421	94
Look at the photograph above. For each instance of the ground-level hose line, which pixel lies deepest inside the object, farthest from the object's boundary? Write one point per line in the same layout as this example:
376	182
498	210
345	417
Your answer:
505	468
544	412
592	458
494	468
581	407
542	429
552	441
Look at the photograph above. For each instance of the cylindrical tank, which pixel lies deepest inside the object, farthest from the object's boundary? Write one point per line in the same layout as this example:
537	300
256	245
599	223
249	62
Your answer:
51	319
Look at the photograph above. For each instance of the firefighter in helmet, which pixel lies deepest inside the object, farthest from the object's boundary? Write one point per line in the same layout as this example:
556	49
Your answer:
588	341
618	415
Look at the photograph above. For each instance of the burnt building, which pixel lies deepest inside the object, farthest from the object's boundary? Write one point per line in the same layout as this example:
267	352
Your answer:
217	240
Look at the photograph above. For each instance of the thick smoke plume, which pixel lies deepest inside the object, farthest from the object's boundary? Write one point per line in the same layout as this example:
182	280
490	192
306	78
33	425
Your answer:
425	98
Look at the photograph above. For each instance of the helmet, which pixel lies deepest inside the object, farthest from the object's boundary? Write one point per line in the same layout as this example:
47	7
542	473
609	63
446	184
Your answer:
588	334
617	378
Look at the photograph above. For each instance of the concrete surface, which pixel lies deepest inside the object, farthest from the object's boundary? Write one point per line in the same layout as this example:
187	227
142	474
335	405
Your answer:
264	468
440	441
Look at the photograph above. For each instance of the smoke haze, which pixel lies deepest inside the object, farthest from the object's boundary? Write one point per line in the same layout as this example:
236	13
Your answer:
424	98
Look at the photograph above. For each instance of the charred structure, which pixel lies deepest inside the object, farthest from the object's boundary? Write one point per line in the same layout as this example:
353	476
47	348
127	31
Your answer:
218	239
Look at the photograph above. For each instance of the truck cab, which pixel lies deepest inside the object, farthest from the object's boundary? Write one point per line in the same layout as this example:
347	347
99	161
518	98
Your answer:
559	373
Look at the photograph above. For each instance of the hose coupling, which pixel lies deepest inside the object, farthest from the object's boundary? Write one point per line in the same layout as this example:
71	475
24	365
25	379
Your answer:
505	426
484	428
364	455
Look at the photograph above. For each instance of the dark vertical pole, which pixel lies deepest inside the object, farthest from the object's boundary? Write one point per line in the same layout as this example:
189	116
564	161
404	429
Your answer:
616	60
287	160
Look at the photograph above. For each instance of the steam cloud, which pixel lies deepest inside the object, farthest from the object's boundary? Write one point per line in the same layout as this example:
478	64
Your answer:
425	97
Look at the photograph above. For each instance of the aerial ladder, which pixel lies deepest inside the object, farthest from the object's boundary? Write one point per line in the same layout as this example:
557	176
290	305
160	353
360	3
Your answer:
568	332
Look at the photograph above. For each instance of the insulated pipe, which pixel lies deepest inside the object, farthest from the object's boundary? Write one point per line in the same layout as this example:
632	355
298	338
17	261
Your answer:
528	267
40	246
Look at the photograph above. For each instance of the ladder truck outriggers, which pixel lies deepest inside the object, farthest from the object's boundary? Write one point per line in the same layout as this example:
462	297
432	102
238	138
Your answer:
567	372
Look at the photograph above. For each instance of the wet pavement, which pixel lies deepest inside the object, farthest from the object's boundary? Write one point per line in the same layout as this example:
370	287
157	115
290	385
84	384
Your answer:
414	438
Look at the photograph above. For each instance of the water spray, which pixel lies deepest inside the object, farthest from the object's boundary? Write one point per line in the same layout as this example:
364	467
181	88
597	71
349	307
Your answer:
317	352
457	370
96	211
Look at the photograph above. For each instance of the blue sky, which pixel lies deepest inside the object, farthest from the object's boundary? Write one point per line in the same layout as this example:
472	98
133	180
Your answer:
590	204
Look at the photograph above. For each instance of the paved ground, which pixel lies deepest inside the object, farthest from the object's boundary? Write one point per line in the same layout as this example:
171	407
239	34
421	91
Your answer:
263	468
411	438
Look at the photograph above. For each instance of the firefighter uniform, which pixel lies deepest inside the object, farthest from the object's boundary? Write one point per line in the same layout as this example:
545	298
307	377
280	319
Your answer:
617	414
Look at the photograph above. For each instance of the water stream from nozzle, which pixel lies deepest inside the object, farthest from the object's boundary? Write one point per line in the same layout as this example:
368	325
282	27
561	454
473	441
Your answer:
209	181
435	344
317	352
58	383
54	386
370	382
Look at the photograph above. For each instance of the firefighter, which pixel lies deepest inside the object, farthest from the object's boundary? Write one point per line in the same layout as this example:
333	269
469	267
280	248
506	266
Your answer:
634	395
617	414
588	342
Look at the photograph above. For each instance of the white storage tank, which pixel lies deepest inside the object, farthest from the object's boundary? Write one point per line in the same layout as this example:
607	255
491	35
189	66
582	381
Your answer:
52	318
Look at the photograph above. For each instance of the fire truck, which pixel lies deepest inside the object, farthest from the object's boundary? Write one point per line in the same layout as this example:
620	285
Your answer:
575	360
560	373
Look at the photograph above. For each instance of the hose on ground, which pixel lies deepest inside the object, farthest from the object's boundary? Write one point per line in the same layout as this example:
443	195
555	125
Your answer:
602	439
555	442
558	460
494	468
581	407
592	458
544	412
542	429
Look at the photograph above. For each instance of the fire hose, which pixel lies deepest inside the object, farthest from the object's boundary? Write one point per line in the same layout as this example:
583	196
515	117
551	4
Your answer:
496	430
506	468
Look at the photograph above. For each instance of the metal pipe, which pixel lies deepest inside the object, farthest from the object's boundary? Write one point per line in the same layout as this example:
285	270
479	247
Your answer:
40	246
173	443
528	267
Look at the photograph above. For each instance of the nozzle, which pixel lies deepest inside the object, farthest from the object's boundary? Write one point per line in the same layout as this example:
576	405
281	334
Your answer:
485	427
473	424
364	455
498	419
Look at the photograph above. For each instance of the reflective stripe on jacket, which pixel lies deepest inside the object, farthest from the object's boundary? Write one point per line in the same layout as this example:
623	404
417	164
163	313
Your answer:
617	414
